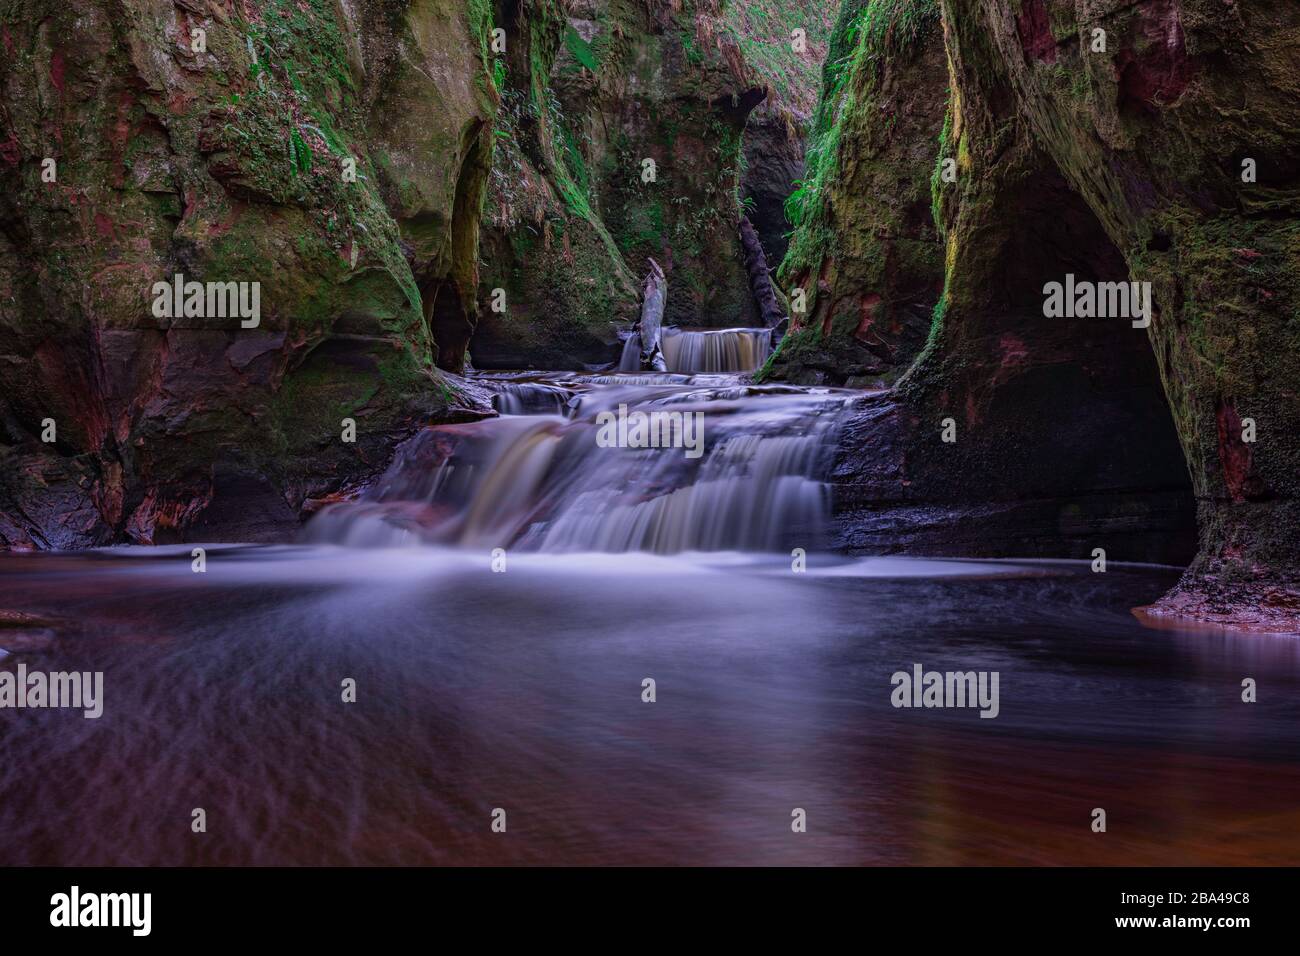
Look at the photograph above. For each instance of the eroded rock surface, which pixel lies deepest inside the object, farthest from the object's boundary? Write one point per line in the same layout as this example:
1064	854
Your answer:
1159	156
212	141
866	259
620	140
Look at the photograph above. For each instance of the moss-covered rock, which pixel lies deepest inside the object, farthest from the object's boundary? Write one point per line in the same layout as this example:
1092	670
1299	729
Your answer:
785	44
190	139
672	90
1178	132
1149	142
567	290
621	141
865	256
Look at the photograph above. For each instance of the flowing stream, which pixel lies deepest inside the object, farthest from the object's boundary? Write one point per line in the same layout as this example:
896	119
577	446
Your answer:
539	478
500	596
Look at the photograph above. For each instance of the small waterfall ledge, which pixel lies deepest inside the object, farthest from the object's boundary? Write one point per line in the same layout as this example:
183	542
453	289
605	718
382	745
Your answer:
704	351
539	478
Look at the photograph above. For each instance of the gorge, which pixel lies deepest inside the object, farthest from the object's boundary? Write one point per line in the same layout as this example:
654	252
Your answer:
960	156
830	253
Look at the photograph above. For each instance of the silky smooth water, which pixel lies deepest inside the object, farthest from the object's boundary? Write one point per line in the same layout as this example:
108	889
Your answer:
693	351
481	688
539	478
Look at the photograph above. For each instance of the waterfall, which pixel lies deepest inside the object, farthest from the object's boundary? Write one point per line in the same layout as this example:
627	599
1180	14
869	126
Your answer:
544	481
709	350
752	494
724	350
630	361
530	398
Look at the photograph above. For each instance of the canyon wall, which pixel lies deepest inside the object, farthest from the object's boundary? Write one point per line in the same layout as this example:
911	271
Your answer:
565	288
785	43
1013	433
1180	138
866	257
390	176
332	153
1147	141
406	183
620	140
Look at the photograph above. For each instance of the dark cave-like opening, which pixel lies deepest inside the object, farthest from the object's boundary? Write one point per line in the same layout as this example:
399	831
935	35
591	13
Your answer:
1073	410
450	324
1064	436
450	308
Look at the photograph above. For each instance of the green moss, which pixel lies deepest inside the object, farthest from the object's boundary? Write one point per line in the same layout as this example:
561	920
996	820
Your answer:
858	250
582	50
868	31
765	372
763	29
936	178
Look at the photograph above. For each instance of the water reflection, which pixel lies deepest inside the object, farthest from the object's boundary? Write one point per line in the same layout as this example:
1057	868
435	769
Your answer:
522	690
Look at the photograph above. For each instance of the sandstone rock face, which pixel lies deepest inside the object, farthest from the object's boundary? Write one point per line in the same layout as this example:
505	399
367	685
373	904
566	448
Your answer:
1150	142
677	93
565	289
1152	129
866	257
216	141
620	141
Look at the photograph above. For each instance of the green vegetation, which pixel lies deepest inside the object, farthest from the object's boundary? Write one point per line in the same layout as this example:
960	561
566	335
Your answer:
581	49
936	178
868	31
886	254
764	31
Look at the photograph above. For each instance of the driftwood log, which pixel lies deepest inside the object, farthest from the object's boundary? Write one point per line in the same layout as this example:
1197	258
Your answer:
760	280
654	298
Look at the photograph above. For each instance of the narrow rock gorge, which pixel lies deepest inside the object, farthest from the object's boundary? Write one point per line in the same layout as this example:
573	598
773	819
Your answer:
651	433
878	194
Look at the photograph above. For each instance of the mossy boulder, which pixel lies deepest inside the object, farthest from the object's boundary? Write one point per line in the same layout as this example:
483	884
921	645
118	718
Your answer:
221	145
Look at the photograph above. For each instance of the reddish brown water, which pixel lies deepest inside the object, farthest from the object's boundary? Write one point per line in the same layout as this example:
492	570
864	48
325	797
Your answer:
522	690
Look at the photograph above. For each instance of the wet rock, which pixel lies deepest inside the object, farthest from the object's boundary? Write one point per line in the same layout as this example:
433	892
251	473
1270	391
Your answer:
22	632
170	165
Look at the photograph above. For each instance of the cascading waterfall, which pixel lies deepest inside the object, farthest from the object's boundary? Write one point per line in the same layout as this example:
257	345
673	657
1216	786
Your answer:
530	398
726	350
543	481
751	494
704	351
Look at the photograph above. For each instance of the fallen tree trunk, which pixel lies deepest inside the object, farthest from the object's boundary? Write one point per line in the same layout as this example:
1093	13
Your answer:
653	300
760	280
